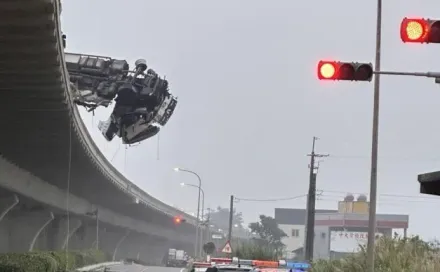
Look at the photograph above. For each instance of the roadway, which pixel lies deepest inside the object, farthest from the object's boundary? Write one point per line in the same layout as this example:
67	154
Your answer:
140	268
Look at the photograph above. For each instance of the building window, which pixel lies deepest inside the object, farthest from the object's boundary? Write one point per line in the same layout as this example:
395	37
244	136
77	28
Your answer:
295	232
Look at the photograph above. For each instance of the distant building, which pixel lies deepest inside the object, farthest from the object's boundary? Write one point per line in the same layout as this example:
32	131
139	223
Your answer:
338	231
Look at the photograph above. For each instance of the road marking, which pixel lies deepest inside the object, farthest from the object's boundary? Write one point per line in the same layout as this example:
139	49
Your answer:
182	270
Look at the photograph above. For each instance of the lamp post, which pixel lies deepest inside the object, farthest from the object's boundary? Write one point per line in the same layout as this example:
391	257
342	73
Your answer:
198	204
200	239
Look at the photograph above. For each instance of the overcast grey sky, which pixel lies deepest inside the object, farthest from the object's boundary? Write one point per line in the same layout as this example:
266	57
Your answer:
250	102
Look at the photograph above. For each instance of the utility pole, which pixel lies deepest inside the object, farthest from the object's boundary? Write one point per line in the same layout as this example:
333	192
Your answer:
311	199
231	217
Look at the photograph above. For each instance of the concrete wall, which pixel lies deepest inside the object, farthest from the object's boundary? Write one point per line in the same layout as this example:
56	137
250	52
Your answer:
38	199
295	236
18	230
16	180
321	249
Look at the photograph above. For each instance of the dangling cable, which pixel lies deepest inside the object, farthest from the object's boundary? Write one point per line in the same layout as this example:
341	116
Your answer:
69	169
116	152
125	159
158	146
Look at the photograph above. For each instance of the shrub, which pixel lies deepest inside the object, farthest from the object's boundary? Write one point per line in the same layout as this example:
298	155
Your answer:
52	261
91	256
27	262
391	255
251	250
65	262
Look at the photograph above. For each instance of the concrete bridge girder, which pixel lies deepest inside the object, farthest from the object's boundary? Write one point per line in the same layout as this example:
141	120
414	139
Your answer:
81	233
23	183
39	230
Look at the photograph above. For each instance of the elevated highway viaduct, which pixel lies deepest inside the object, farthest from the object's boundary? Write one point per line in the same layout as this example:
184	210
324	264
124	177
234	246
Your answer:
46	151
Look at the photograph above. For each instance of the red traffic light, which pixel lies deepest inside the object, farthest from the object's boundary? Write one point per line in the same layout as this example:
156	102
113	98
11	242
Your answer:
178	220
327	70
416	30
336	70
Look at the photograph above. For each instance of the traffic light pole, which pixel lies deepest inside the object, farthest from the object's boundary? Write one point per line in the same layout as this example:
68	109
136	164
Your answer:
374	144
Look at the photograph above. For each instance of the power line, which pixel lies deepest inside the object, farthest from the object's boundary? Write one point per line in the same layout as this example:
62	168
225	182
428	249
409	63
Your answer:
401	158
270	199
339	196
382	200
386	202
387	195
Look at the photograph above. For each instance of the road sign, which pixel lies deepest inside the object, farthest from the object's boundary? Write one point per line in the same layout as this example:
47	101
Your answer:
227	248
217	236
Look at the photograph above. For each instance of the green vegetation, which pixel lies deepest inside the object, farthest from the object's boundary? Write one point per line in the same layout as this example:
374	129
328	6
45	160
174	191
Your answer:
391	255
252	250
54	261
267	246
270	235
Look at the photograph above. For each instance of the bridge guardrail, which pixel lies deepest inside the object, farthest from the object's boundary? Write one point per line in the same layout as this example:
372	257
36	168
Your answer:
96	267
103	164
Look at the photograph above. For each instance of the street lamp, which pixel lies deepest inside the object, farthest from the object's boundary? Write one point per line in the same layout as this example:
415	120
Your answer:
178	169
203	209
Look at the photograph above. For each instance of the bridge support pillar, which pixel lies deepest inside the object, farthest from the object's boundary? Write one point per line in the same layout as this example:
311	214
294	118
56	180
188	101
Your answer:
5	211
34	240
154	250
72	230
127	233
61	236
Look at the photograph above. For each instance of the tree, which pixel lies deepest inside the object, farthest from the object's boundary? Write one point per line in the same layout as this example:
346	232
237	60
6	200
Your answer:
269	232
220	218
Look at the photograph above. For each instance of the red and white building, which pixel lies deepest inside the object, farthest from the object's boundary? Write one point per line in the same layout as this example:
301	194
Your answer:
336	231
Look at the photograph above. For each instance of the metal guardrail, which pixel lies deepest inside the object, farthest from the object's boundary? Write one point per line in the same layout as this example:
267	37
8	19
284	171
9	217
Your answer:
97	267
114	267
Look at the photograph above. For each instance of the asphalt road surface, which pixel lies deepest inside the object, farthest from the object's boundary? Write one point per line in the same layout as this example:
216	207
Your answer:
140	268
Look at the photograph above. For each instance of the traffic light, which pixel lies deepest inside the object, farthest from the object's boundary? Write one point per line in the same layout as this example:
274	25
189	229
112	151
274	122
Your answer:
178	220
336	70
419	30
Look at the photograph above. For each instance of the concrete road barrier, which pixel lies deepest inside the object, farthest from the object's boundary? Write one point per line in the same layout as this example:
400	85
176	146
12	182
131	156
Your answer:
97	266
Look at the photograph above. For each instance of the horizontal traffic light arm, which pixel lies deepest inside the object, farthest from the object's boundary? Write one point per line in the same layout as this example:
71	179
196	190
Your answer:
416	74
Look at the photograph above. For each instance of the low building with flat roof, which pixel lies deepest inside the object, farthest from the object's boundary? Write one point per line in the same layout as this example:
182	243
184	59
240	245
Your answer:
337	231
